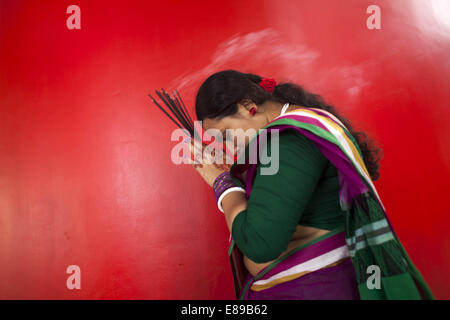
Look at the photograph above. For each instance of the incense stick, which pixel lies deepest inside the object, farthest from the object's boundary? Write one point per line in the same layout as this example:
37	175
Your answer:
162	109
176	109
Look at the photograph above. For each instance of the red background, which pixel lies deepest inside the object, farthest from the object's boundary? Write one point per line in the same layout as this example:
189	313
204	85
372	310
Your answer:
85	170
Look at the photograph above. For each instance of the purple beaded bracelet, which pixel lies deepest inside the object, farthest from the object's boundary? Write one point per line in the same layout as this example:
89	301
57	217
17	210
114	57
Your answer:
222	183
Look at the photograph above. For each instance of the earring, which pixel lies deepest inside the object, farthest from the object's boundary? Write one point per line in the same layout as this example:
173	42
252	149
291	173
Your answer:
252	111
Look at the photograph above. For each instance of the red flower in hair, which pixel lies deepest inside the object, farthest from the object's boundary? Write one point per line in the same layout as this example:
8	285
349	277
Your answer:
268	84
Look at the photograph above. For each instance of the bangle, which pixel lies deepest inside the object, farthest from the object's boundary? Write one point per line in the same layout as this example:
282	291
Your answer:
222	183
219	202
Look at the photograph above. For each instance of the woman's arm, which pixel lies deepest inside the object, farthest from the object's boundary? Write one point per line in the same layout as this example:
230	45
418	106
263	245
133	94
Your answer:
232	204
263	226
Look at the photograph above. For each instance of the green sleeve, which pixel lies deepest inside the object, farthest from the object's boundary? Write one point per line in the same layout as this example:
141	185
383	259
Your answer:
276	203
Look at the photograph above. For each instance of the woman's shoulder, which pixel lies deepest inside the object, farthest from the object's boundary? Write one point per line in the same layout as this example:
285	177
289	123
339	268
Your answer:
292	138
295	149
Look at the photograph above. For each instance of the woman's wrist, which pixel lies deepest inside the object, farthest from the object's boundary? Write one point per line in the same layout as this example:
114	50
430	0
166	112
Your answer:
223	184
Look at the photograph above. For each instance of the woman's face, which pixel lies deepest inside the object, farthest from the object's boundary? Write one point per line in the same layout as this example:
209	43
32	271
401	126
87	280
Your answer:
237	129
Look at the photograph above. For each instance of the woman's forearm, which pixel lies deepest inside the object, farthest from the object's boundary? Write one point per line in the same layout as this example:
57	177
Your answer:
232	204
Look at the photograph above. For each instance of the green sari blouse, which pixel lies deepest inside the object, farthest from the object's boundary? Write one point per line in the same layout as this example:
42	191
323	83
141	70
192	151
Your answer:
304	192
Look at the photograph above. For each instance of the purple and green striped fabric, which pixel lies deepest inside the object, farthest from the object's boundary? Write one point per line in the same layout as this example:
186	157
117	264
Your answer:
369	235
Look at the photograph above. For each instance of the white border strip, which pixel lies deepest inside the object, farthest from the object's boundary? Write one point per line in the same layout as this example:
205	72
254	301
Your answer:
310	265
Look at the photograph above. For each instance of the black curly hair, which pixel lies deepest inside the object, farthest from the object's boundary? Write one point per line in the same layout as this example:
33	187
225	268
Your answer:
219	94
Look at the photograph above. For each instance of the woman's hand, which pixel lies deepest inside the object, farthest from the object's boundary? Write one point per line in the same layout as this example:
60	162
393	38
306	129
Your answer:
233	202
203	163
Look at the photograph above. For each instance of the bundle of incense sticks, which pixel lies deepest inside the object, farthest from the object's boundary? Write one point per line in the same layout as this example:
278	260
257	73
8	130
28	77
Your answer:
177	112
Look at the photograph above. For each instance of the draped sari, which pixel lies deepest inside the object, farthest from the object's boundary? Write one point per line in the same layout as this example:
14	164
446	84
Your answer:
363	260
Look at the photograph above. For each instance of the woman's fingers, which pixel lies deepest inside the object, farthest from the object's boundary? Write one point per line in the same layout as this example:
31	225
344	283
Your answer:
189	160
197	155
195	164
196	150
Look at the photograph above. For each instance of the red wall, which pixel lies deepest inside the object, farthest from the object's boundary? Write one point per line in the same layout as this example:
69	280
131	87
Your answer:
85	171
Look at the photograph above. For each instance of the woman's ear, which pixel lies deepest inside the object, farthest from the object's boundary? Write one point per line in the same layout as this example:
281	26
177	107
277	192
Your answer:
247	105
